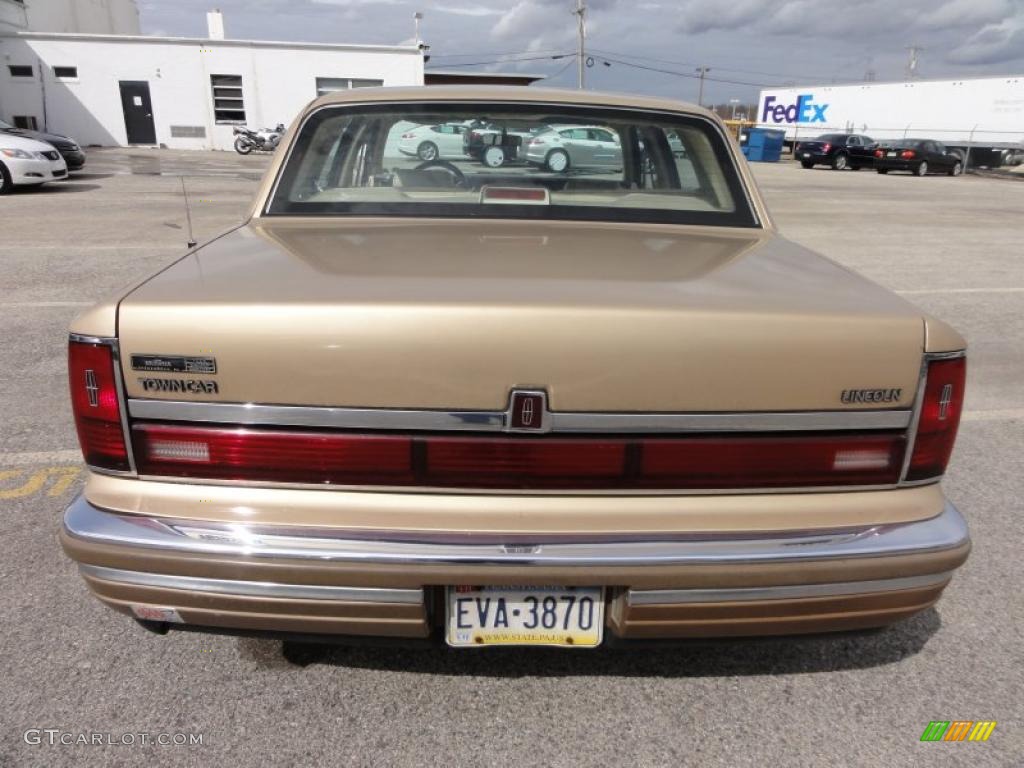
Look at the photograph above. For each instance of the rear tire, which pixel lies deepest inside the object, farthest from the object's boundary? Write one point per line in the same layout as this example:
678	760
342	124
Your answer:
6	185
557	161
494	156
957	169
243	146
922	168
839	162
807	164
427	151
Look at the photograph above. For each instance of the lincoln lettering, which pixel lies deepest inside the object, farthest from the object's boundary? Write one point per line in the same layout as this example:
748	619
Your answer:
871	395
191	386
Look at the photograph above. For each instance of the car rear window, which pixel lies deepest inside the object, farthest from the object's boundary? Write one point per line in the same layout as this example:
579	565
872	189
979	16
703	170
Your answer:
511	161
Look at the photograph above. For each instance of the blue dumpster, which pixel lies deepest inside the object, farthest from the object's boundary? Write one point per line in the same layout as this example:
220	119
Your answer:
762	145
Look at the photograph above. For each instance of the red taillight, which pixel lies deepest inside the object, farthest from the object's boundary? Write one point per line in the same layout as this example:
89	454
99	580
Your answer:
307	456
772	462
907	154
826	148
95	405
263	454
537	142
879	153
940	417
524	463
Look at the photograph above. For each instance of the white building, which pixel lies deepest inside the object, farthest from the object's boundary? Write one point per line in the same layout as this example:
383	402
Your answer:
118	90
114	17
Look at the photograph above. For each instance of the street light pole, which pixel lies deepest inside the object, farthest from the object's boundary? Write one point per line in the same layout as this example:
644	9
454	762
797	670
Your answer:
700	93
581	34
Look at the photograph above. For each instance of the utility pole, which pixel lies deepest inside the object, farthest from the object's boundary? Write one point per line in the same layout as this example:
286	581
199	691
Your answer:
702	71
581	34
417	18
912	61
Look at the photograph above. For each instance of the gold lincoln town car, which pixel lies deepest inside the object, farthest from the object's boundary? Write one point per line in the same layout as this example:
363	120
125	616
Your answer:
530	403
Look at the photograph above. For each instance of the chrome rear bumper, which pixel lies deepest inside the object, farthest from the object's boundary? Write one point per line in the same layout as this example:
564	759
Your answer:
82	520
322	581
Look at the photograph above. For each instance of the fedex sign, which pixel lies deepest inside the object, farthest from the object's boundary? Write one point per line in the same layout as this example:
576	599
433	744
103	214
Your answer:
804	110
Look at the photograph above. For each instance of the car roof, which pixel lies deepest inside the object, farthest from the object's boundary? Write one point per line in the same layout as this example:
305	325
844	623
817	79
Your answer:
506	93
567	126
14	141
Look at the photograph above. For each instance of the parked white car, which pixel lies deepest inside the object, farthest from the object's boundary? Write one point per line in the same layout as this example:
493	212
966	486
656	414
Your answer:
562	147
431	142
27	161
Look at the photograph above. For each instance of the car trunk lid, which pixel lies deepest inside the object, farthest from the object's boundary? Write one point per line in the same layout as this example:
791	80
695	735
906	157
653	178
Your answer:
435	314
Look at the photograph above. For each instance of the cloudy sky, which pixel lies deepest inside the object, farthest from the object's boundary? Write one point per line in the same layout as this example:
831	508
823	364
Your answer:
746	43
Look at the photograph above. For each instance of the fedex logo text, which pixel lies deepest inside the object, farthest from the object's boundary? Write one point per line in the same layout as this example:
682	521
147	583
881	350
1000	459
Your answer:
804	110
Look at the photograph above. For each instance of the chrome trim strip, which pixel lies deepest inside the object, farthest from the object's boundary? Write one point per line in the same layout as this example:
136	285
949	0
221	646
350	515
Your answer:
122	403
84	521
494	421
255	588
787	592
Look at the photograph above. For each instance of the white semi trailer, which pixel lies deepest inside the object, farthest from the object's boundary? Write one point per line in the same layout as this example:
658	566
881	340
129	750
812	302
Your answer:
981	118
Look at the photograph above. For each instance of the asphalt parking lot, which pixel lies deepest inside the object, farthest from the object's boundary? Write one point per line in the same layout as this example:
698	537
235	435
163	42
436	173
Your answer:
953	246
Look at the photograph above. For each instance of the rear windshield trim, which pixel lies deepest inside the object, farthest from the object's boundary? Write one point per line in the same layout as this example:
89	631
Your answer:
744	214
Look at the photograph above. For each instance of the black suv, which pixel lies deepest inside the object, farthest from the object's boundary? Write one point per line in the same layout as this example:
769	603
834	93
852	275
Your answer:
73	155
839	150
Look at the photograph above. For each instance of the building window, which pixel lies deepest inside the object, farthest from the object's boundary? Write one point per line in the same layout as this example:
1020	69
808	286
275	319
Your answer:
331	84
20	70
28	122
65	73
228	106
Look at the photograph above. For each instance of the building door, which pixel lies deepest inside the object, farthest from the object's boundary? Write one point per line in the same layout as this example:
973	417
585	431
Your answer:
138	112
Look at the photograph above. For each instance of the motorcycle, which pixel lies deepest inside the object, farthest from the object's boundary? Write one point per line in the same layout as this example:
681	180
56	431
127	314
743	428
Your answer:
263	140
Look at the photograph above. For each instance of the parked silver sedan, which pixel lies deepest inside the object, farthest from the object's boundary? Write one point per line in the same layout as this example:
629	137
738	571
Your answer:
562	147
431	142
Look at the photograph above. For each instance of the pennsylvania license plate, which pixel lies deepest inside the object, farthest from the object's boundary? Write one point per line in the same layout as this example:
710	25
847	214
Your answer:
565	616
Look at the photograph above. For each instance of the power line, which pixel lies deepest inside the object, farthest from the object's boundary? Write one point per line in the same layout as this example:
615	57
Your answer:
560	72
690	75
507	61
495	53
784	75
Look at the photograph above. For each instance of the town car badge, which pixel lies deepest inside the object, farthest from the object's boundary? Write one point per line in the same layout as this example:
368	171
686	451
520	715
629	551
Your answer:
174	364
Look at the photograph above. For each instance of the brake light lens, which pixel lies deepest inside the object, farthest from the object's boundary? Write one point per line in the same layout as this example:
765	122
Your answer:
826	148
879	153
692	462
265	454
940	418
772	462
907	154
537	142
94	401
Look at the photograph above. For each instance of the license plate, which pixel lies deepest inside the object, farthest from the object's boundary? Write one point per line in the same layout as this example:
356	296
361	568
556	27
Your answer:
807	154
890	154
564	616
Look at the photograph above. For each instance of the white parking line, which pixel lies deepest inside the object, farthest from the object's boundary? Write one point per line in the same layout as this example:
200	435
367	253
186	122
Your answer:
960	290
30	458
998	415
46	303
